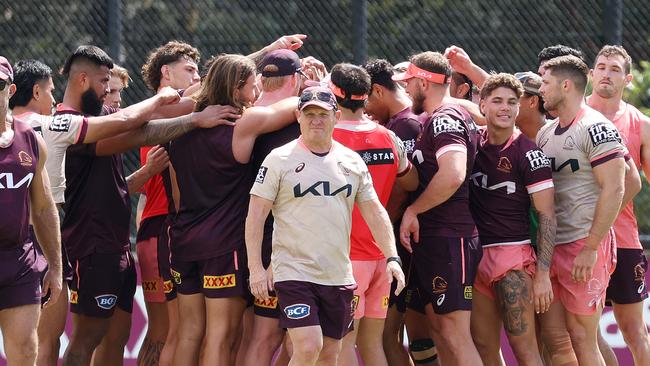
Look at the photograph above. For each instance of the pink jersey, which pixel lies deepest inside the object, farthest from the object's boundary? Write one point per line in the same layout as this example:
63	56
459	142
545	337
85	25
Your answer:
628	122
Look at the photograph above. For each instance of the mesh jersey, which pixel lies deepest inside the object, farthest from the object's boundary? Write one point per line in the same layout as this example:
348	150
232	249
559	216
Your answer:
502	179
313	197
385	156
574	151
18	164
58	132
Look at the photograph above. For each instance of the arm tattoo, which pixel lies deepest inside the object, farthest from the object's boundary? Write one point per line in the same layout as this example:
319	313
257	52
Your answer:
514	299
163	130
545	241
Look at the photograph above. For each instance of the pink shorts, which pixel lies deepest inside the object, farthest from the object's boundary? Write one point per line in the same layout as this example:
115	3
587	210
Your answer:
371	296
499	260
582	298
152	282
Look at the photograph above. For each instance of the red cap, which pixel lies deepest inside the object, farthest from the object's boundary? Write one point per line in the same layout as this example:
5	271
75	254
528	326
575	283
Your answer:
6	72
413	71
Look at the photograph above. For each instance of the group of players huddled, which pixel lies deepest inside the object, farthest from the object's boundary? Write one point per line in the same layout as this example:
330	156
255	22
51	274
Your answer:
272	191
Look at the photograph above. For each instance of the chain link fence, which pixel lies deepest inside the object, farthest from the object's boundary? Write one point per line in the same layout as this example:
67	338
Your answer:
501	35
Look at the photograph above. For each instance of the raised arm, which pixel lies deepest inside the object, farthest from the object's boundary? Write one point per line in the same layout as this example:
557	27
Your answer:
45	219
292	42
462	63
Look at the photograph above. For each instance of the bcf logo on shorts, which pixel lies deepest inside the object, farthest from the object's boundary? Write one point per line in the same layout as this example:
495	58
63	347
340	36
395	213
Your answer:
106	302
297	311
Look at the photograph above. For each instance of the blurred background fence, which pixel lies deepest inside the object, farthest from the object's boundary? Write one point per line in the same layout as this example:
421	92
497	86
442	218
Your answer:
503	35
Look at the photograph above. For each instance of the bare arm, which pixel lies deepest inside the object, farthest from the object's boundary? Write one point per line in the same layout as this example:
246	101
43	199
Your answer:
157	161
128	118
409	181
258	210
292	42
260	120
632	183
45	219
645	147
461	63
142	201
164	130
379	224
544	204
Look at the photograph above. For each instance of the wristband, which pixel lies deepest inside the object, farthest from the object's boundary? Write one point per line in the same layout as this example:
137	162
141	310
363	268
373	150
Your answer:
394	259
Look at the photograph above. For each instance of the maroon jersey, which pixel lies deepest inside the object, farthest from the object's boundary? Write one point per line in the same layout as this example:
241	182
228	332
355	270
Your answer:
18	164
502	179
213	195
450	128
97	205
407	126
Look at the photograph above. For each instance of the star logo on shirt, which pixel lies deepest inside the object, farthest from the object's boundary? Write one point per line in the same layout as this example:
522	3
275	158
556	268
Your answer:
366	157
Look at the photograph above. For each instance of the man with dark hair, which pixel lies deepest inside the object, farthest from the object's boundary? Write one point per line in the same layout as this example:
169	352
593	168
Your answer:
34	87
172	64
551	52
461	86
510	173
532	115
389	105
446	251
385	156
586	156
25	197
627	288
95	229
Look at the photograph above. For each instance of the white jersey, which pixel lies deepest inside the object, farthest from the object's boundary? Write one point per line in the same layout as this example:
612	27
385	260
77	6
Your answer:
58	132
574	151
313	197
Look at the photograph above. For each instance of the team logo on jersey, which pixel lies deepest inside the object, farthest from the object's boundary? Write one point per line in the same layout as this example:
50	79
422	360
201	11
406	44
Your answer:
504	164
377	156
216	282
639	272
61	123
74	297
321	188
149	286
176	276
168	286
439	285
106	302
25	159
409	146
537	160
481	180
596	290
446	124
297	311
569	143
601	133
384	302
467	293
298	169
270	303
261	174
343	169
574	164
7	181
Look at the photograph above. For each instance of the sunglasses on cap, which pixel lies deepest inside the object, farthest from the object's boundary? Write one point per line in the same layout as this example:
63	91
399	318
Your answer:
308	96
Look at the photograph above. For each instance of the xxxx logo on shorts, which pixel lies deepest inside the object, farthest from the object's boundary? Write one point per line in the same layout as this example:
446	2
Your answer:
74	297
176	276
384	302
270	303
219	281
168	286
467	293
149	286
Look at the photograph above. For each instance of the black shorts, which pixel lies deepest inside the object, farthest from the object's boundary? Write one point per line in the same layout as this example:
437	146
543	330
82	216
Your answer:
627	284
410	296
267	308
101	282
164	263
446	267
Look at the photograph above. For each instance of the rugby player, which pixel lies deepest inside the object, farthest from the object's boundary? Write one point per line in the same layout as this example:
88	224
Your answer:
390	106
627	288
446	251
312	273
26	198
173	65
586	156
460	86
385	156
281	77
207	236
509	174
97	206
551	52
532	115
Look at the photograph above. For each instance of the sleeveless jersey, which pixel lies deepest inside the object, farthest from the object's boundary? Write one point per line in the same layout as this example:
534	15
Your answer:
384	155
18	164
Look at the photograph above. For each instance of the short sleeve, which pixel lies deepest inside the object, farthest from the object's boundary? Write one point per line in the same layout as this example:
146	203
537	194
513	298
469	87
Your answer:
403	164
66	129
407	130
602	143
267	179
536	168
366	190
448	133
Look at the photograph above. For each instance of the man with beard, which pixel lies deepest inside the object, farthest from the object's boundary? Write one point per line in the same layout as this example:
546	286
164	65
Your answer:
627	288
446	251
586	156
95	229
